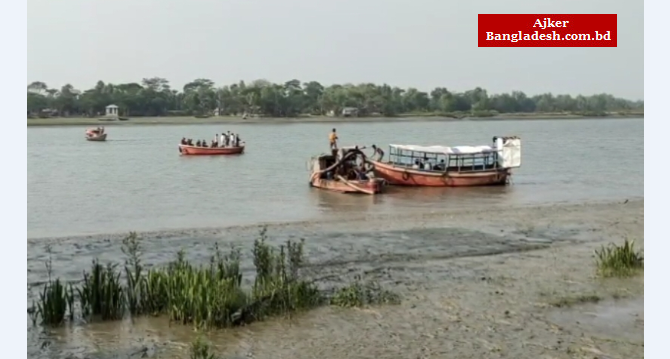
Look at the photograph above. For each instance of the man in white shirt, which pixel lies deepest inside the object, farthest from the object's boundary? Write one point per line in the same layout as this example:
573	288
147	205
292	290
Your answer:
222	141
232	140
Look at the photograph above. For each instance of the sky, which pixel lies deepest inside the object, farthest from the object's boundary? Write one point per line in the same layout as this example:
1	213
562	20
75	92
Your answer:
417	43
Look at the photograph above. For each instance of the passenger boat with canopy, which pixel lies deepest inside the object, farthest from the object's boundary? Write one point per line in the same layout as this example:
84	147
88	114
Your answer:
459	166
345	170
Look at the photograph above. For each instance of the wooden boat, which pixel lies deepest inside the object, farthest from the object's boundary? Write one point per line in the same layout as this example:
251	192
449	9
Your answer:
341	171
460	166
188	150
95	134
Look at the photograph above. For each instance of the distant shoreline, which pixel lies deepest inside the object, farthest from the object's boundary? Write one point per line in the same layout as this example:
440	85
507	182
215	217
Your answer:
215	120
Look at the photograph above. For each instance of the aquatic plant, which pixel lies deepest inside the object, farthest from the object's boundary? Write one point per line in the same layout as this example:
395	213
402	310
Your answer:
101	293
200	296
359	294
201	349
618	260
205	296
277	287
55	300
212	296
133	271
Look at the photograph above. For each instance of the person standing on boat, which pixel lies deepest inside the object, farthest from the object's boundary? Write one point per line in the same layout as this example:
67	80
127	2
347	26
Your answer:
228	134
377	151
222	140
332	138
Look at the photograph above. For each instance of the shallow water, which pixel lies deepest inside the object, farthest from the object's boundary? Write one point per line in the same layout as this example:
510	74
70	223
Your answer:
137	180
335	258
418	256
616	319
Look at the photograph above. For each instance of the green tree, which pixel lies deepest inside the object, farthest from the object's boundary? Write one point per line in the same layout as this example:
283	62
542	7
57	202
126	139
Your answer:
153	96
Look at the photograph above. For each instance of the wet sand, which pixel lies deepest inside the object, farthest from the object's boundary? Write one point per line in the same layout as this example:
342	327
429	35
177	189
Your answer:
74	121
494	283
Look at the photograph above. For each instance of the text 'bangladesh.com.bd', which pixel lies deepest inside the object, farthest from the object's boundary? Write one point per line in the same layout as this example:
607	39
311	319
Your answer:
554	36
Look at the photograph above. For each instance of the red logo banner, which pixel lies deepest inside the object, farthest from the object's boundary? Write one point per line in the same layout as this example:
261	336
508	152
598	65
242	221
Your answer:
547	30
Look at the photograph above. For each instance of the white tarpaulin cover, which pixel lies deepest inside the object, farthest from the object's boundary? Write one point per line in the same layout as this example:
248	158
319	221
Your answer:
511	153
445	150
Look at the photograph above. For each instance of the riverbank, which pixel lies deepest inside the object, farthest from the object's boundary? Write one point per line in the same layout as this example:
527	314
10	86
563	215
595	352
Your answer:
74	121
518	284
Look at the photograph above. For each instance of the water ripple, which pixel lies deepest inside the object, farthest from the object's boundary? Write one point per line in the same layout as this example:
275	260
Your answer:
137	180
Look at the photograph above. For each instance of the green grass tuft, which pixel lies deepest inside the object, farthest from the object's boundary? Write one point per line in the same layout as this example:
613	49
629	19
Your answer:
580	299
201	349
360	294
619	260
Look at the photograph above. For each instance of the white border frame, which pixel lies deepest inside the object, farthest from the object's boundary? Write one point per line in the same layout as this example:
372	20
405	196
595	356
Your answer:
655	86
14	190
13	268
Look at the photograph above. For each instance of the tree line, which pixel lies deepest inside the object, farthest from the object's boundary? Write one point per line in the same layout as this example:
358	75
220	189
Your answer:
200	97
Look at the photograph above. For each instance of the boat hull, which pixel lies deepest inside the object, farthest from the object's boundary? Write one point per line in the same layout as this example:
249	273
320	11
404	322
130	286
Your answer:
400	176
96	138
186	150
371	187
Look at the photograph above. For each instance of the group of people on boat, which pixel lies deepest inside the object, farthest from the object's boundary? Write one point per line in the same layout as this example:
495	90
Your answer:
353	170
333	138
97	131
350	170
426	165
226	139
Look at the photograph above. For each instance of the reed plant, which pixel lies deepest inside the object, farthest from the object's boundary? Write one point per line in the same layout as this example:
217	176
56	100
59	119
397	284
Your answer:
133	272
102	294
55	301
200	296
206	296
277	287
619	260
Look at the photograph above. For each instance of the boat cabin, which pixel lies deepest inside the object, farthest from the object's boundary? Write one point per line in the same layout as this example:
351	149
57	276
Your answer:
504	153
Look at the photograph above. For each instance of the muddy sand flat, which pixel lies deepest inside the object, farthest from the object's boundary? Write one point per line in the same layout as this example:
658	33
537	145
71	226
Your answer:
495	283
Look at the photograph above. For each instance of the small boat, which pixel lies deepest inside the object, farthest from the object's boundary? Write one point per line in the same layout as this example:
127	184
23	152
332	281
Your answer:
345	170
96	134
460	166
189	150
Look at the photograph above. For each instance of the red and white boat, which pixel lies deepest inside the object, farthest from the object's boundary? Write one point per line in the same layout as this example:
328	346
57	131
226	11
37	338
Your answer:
96	134
189	150
459	166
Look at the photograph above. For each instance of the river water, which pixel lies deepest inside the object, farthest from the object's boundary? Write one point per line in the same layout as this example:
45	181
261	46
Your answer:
137	180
